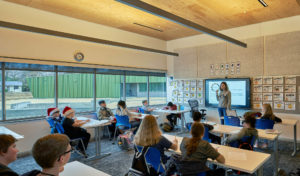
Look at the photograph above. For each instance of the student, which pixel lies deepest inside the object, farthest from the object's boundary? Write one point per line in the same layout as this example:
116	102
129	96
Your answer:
224	99
150	135
123	111
172	118
268	113
106	114
8	154
247	130
73	129
197	116
146	108
196	150
51	158
55	120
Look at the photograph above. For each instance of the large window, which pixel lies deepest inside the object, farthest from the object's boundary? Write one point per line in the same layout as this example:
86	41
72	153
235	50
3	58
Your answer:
76	91
28	93
1	92
157	86
136	90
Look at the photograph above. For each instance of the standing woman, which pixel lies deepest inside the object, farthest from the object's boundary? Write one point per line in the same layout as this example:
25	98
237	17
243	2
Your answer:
224	99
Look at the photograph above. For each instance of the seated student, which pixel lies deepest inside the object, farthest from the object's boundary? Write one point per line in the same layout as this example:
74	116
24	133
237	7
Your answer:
123	111
106	114
8	154
214	139
247	130
146	108
149	134
73	129
54	118
197	151
51	158
172	117
268	113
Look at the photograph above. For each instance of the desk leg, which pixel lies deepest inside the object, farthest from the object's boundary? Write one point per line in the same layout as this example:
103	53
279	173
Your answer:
98	146
260	171
182	129
295	140
276	159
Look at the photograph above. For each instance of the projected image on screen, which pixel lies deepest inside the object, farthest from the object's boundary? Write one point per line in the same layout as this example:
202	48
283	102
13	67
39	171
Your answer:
239	92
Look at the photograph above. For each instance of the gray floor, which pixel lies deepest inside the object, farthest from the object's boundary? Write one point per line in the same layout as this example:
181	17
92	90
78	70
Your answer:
119	161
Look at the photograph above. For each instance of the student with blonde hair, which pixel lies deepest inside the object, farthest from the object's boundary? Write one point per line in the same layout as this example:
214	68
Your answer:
268	113
149	135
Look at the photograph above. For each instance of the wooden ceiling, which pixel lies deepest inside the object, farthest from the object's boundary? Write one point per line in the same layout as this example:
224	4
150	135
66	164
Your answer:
214	14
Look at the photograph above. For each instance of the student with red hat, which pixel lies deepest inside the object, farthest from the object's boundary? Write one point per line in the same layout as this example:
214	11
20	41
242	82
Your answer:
73	129
55	120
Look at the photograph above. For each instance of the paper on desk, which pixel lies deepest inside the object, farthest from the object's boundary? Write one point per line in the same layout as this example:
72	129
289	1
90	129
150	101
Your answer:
237	156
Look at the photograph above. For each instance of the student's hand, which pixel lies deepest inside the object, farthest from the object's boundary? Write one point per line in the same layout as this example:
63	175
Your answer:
175	141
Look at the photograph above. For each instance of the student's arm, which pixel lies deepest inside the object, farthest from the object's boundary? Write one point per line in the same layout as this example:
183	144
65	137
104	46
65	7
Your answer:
217	95
229	100
174	145
237	136
213	153
221	159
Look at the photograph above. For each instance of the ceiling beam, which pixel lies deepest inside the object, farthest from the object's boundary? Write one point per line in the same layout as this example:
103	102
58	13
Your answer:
80	37
169	16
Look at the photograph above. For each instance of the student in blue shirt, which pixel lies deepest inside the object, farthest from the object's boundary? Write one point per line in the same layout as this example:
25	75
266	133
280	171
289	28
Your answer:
55	120
146	108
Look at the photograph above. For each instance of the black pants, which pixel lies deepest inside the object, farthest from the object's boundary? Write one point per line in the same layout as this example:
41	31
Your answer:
214	138
85	136
172	119
214	172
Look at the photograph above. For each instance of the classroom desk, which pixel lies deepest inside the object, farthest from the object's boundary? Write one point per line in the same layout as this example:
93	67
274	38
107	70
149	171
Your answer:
96	124
76	168
175	112
143	115
291	122
244	160
4	130
226	129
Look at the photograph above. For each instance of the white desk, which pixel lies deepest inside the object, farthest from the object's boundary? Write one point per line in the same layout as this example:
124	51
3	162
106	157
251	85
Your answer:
143	115
4	130
226	129
291	122
96	124
76	168
175	112
244	160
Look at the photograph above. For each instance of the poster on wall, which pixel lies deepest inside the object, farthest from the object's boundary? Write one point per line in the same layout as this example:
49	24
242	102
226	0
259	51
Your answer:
222	66
179	94
174	100
226	69
186	95
193	89
187	89
199	89
278	79
185	100
290	97
193	95
212	69
279	105
290	106
257	88
267	88
201	101
232	68
290	88
193	83
180	84
257	105
278	96
267	80
175	93
187	83
238	68
217	68
267	96
257	97
277	88
200	83
199	95
257	80
180	100
290	80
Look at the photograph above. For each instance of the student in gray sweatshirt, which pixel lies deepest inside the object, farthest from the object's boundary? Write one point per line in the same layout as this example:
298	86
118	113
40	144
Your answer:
224	99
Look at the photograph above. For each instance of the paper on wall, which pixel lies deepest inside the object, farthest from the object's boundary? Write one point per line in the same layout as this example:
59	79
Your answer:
180	94
226	69
290	88
187	89
278	88
267	80
232	68
193	95
279	105
257	97
290	97
175	93
267	97
200	83
267	88
193	83
212	69
257	105
199	89
257	88
238	68
187	83
257	80
278	96
174	100
278	80
180	100
199	95
222	69
290	106
186	95
290	80
193	89
185	100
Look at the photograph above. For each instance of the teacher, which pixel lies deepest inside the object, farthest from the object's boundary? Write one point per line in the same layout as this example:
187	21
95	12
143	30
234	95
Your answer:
224	99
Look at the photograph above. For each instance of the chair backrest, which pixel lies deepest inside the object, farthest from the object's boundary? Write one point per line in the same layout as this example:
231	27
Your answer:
201	174
122	121
153	158
232	121
264	124
206	134
55	126
94	115
249	139
194	104
141	110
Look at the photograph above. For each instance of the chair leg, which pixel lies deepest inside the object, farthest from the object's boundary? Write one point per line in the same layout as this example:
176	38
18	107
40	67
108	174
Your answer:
84	149
115	135
108	132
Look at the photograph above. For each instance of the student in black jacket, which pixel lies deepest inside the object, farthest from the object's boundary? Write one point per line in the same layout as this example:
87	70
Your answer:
8	154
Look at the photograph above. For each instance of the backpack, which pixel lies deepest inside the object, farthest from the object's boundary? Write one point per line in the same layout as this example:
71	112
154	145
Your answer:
166	127
139	166
125	140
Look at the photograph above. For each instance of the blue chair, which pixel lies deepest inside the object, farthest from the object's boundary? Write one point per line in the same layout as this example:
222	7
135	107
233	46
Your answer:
121	121
264	124
94	115
141	110
206	132
56	127
232	121
201	174
153	158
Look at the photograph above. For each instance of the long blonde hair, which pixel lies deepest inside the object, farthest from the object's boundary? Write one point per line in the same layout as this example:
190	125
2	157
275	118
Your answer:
268	111
148	133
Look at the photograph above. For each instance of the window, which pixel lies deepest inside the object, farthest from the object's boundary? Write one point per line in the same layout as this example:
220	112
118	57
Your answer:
1	118
28	93
76	91
136	90
109	88
157	94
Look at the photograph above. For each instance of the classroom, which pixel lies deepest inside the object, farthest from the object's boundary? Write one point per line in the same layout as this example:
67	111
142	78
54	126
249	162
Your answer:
149	87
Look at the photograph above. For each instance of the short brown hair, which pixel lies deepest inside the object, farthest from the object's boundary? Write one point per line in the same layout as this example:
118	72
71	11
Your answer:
249	119
48	149
6	140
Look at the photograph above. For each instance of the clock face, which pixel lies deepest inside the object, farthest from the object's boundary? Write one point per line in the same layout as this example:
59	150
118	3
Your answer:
79	56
